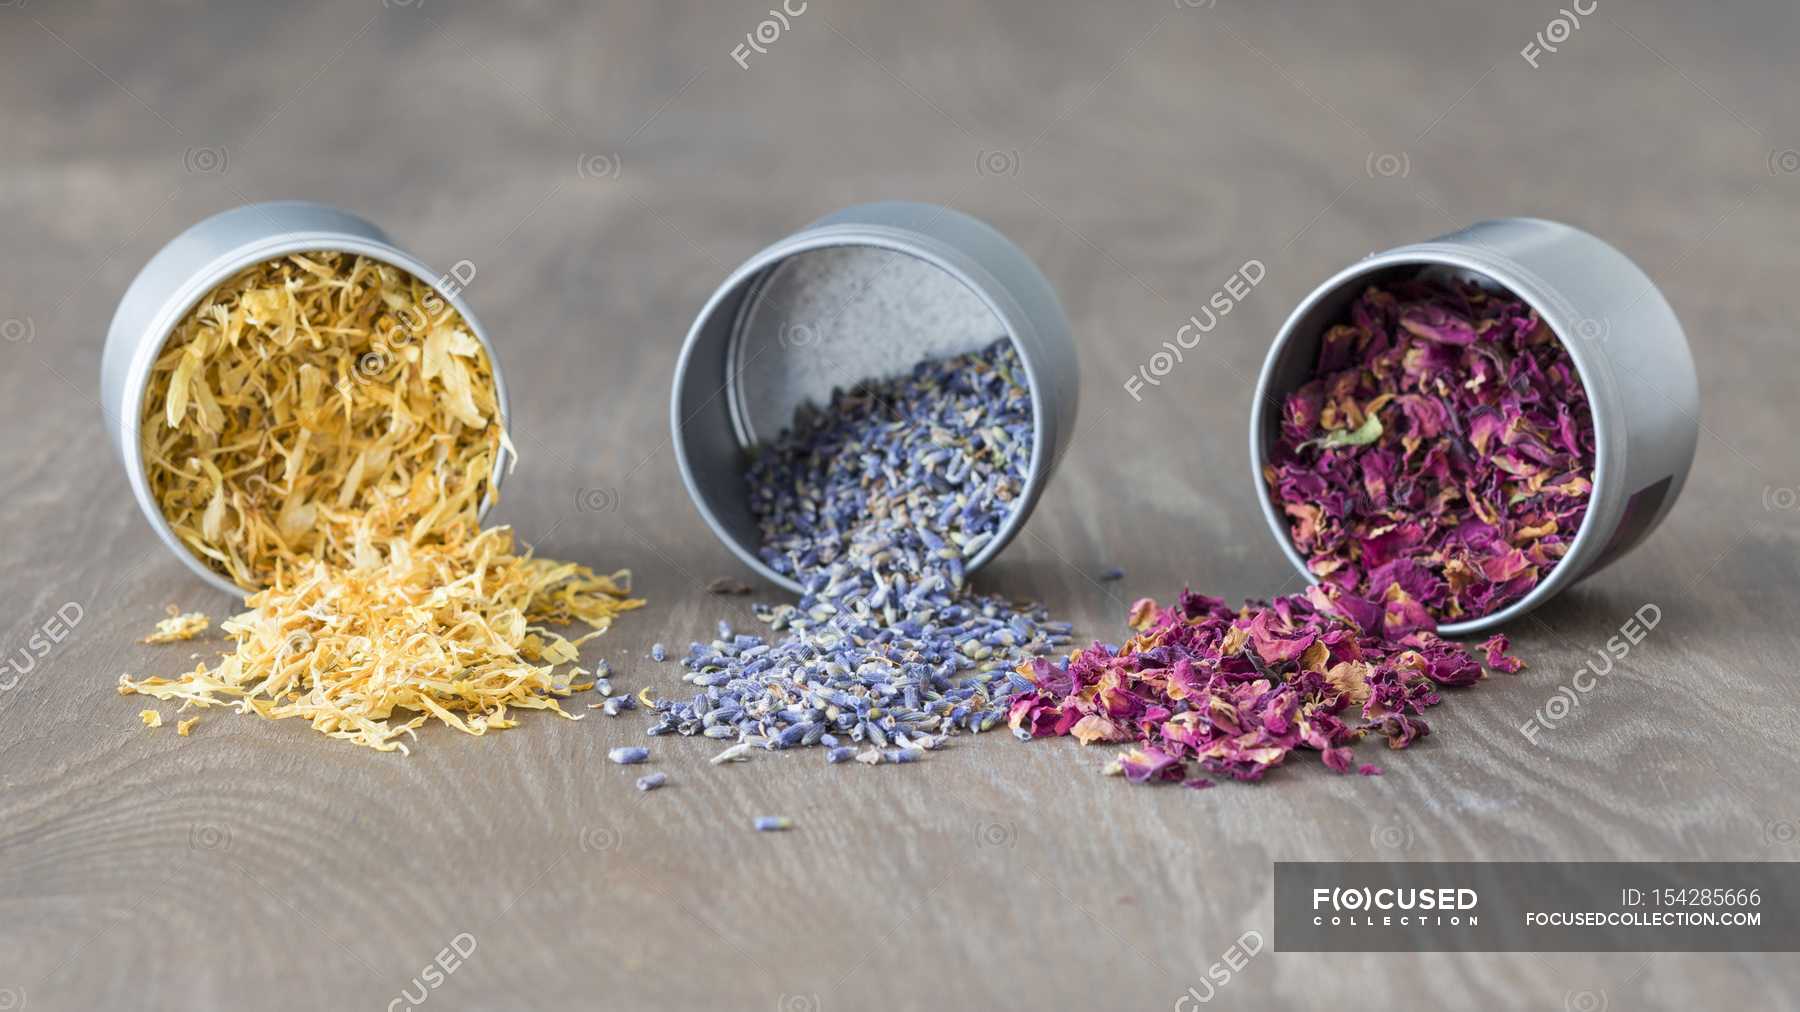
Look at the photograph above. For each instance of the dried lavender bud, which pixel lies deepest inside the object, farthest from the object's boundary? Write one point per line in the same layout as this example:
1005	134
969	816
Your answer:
1111	574
659	653
874	505
772	823
651	781
840	754
628	755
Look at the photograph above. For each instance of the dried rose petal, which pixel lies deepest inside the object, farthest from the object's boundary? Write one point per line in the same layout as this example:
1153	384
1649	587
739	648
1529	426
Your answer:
1437	465
1496	647
1237	692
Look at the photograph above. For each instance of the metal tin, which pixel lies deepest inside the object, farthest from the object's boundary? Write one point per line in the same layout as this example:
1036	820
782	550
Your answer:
193	264
863	293
1628	349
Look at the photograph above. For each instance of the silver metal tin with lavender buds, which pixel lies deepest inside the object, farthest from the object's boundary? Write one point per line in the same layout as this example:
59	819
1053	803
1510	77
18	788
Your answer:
1626	344
862	294
199	260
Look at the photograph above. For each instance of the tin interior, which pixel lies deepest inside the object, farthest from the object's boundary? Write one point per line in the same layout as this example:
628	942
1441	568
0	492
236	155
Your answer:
792	331
827	319
1290	366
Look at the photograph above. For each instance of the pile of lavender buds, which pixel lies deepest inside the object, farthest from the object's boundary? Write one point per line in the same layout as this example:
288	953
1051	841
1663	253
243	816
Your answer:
875	505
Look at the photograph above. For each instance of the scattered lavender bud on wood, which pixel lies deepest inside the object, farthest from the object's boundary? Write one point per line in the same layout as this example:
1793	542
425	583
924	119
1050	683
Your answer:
628	755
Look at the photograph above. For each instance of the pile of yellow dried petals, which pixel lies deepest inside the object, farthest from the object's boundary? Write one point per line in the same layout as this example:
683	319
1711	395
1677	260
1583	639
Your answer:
371	651
303	395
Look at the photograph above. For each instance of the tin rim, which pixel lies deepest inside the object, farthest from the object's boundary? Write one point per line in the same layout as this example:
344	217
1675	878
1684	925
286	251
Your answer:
1596	378
1008	314
175	308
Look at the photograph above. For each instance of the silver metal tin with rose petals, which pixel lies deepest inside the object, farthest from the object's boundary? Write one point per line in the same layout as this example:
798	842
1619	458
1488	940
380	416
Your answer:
1627	346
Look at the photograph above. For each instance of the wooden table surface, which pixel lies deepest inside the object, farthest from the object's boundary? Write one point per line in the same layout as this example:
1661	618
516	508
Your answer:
1140	152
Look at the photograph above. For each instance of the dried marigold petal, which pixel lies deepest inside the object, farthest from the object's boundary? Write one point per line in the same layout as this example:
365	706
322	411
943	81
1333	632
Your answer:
369	653
178	626
290	386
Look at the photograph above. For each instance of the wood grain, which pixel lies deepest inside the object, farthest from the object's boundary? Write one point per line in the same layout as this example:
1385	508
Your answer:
1156	148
